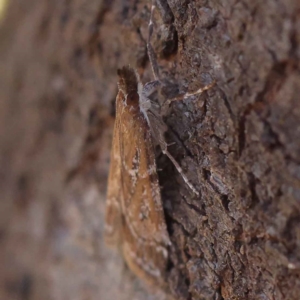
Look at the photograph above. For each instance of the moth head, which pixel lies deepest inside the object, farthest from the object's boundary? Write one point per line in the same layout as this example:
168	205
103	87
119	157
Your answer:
132	99
128	83
128	80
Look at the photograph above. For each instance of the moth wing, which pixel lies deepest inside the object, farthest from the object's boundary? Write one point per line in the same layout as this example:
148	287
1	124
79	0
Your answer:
113	216
145	236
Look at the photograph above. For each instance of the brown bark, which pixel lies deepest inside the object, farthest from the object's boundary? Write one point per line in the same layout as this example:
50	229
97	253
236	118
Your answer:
239	143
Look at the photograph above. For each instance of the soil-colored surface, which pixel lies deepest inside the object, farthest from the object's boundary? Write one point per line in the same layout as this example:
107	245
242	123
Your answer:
238	143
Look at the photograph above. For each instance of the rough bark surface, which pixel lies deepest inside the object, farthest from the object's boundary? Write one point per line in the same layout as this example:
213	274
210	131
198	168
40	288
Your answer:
239	143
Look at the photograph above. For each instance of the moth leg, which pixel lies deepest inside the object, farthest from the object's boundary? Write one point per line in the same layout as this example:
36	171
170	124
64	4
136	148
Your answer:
150	87
179	169
146	103
164	147
187	95
158	135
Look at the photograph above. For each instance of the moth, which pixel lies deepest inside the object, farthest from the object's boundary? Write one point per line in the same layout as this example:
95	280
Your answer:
135	220
134	214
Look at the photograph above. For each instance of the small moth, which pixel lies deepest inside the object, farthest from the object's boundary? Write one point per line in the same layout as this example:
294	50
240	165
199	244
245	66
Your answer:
135	220
134	215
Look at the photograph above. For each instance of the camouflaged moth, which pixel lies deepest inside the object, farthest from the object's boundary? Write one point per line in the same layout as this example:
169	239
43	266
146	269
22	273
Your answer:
134	216
135	220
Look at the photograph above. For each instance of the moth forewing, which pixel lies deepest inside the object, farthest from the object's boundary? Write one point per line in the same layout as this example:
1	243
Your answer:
113	215
134	201
142	204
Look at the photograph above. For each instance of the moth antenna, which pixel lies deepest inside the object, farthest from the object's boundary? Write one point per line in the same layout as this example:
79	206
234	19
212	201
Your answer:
151	53
167	17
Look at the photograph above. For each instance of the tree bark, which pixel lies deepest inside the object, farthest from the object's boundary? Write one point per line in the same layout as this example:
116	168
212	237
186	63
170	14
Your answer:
238	143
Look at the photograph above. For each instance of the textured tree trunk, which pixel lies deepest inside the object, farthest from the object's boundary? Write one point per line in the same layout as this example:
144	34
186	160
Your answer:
238	143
